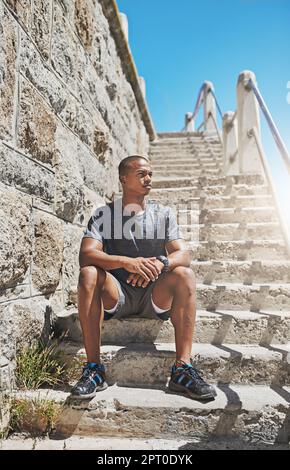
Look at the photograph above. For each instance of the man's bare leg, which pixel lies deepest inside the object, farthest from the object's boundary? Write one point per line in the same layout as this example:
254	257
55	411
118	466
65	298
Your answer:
180	284
177	289
95	288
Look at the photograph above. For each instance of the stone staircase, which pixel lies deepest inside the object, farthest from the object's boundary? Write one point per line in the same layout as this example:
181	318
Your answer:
241	341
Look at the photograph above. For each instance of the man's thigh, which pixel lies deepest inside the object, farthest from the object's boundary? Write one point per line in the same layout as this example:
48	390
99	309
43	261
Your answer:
162	292
110	292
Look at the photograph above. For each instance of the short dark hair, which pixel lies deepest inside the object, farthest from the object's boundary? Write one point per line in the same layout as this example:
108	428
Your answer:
125	164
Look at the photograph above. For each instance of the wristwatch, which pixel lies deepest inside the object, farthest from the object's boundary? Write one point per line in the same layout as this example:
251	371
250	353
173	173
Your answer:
165	261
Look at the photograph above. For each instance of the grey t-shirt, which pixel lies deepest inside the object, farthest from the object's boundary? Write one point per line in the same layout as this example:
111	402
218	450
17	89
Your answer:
143	234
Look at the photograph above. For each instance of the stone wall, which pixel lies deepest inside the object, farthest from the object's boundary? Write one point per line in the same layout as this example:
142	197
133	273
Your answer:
71	108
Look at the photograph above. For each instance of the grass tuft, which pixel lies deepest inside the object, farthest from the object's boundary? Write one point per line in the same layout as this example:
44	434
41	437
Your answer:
40	365
36	415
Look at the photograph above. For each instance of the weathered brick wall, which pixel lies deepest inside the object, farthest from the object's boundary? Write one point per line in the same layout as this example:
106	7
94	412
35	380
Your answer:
70	110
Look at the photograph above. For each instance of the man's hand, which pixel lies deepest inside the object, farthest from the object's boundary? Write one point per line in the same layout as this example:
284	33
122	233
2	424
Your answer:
140	281
142	266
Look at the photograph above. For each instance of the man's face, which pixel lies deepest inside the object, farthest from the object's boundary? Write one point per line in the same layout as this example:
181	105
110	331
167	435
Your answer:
138	178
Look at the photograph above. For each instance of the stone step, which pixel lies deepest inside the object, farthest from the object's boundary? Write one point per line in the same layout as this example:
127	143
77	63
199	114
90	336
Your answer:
220	202
118	414
178	134
231	180
245	413
210	181
194	138
184	194
189	145
192	150
178	142
254	297
246	272
172	182
238	215
225	215
241	327
181	157
191	166
186	160
238	250
185	142
177	148
190	136
18	442
191	172
186	148
149	365
234	232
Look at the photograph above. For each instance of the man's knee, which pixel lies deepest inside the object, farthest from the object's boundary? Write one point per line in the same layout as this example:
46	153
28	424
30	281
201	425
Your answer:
185	279
90	276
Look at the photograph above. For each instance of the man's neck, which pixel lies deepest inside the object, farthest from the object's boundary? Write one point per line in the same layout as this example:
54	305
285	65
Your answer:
137	200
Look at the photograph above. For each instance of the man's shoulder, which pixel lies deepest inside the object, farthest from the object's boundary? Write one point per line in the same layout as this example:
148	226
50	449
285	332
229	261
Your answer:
151	205
158	207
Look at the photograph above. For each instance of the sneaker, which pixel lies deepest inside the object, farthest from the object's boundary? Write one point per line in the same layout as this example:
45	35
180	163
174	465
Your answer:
187	379
93	380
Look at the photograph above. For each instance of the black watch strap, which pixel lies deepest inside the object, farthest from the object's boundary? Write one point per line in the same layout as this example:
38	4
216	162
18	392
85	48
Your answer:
165	261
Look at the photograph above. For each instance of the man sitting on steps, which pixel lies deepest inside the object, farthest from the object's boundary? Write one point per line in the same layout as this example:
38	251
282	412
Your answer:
148	275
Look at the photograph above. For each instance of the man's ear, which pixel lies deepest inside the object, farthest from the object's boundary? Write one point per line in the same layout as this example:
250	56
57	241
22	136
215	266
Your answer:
122	179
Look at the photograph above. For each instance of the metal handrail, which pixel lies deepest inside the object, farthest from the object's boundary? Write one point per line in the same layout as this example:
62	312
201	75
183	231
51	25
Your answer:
197	106
216	102
216	127
277	137
199	101
254	133
201	125
230	123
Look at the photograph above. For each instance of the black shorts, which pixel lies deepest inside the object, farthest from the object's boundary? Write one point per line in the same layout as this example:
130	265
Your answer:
135	301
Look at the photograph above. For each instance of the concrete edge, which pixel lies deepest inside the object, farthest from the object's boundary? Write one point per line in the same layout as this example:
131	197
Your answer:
111	11
233	396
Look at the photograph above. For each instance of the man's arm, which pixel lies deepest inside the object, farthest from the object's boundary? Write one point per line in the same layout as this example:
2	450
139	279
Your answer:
178	254
91	253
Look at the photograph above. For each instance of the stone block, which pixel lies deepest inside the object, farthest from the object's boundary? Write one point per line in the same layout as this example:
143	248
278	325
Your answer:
22	9
8	54
39	74
63	47
68	8
64	103
92	200
23	322
5	378
37	126
25	174
93	174
69	193
17	292
84	21
101	146
16	236
41	25
47	252
72	241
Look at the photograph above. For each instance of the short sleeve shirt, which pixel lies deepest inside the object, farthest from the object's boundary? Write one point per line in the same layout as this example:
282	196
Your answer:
128	234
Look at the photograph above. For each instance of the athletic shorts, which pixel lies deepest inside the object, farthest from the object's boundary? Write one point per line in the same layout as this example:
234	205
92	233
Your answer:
135	301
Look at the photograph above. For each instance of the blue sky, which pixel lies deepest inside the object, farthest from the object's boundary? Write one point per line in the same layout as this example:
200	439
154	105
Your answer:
178	45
